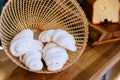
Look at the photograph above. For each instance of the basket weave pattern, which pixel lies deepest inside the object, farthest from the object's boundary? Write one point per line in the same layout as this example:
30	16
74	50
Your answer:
40	15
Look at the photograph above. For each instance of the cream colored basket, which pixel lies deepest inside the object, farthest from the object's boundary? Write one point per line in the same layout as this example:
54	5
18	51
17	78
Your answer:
40	15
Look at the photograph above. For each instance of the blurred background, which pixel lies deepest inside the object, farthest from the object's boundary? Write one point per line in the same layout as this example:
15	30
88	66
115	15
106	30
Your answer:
2	3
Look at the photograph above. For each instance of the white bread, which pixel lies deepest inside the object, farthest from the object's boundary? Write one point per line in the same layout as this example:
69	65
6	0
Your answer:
106	9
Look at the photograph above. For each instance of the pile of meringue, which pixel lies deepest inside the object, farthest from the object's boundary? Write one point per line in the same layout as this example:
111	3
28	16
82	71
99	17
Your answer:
51	47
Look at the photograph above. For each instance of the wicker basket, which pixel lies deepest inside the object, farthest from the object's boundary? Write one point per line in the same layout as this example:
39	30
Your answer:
40	15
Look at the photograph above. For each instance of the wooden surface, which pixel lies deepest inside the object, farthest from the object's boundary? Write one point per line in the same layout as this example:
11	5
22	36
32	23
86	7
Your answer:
115	72
93	64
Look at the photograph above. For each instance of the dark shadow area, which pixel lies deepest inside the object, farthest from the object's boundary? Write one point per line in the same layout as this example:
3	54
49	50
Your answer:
2	3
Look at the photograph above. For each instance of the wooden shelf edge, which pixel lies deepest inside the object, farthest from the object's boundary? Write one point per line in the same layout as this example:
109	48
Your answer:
107	67
115	72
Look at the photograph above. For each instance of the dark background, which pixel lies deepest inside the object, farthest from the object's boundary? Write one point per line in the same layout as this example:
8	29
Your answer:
2	3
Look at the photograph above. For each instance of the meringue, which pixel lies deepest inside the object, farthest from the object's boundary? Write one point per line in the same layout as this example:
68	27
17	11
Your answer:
32	60
64	39
21	43
46	36
54	56
38	45
27	33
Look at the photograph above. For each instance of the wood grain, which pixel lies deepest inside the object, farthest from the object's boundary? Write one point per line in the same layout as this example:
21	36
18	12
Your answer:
93	64
6	68
6	65
97	62
115	72
3	56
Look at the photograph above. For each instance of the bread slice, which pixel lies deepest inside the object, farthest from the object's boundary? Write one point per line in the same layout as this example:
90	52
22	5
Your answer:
100	11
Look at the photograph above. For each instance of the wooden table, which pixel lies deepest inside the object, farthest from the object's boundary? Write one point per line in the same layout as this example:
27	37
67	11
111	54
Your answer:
115	72
93	64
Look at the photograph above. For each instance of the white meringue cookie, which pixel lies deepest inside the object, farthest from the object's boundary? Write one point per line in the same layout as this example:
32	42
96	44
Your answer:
67	42
54	60
41	36
29	58
44	37
60	54
27	33
55	67
21	43
32	60
21	58
32	54
47	38
54	56
49	45
71	47
58	33
67	37
55	51
20	47
35	64
37	45
50	32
